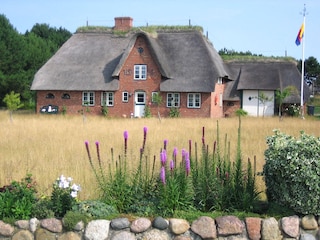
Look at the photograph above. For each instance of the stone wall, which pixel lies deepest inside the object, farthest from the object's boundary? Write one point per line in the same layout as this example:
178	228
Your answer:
225	227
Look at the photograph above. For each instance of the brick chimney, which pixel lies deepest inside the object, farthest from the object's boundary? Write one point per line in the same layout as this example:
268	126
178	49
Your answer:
123	23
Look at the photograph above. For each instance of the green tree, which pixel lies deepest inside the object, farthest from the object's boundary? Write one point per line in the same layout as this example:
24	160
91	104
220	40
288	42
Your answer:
263	99
281	95
13	103
21	56
312	69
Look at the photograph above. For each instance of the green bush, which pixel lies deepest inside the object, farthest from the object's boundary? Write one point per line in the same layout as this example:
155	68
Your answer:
174	112
43	209
94	209
17	200
71	219
292	171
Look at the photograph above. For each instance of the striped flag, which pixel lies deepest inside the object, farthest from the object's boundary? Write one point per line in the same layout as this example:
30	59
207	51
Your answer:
300	35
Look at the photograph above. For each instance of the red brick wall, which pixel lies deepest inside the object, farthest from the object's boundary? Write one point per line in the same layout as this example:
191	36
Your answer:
123	23
230	107
216	107
72	105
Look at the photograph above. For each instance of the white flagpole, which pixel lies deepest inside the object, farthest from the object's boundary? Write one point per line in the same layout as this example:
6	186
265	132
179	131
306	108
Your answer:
302	63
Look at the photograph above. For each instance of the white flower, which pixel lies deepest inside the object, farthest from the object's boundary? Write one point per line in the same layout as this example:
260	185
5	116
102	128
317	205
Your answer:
74	194
75	187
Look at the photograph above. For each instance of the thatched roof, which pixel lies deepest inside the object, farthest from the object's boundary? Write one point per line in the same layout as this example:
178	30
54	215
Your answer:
93	61
267	75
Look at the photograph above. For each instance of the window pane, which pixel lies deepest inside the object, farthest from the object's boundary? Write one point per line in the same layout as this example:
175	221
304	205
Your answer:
140	72
125	96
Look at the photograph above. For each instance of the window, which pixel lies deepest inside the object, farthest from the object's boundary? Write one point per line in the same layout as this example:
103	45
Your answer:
50	96
140	98
219	80
140	72
88	98
194	100
173	99
65	96
107	99
125	97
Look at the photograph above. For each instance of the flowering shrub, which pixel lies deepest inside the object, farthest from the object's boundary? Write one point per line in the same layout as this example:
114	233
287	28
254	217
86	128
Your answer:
17	200
292	172
208	183
176	190
63	195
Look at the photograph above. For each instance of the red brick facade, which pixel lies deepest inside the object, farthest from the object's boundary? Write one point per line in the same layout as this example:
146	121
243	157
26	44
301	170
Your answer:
211	103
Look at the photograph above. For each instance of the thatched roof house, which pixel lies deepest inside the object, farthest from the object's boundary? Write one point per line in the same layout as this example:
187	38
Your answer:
122	70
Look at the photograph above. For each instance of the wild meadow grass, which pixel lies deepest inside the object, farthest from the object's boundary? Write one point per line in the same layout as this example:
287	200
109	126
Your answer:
50	145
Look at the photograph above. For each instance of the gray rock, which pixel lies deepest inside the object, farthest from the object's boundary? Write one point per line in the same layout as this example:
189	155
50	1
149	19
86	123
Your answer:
120	223
22	235
69	236
160	223
97	229
178	226
43	234
52	224
79	226
309	222
6	230
270	229
290	226
33	224
155	234
205	227
22	224
140	225
123	235
229	225
307	236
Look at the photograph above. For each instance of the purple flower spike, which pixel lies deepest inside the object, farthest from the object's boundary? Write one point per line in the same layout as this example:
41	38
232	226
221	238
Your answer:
171	165
125	135
88	151
163	175
165	143
163	157
145	130
98	151
175	152
183	153
187	164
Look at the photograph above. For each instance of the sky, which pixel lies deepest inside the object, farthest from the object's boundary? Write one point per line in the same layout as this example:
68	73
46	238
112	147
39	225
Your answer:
267	27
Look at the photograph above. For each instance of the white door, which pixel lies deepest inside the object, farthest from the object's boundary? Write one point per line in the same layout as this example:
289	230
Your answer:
139	103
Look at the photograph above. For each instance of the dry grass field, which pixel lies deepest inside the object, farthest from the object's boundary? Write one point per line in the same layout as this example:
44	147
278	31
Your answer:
50	145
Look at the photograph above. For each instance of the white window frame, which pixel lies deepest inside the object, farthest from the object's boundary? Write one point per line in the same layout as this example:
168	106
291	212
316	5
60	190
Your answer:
125	96
194	100
107	99
140	72
219	80
173	99
88	99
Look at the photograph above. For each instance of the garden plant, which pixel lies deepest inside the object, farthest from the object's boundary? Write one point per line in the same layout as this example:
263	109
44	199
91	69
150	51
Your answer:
195	179
292	172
